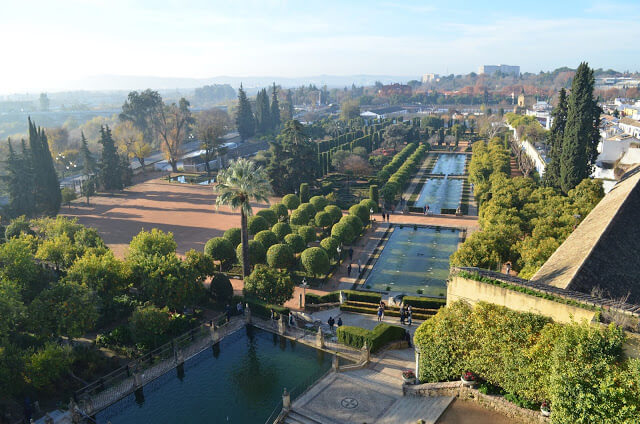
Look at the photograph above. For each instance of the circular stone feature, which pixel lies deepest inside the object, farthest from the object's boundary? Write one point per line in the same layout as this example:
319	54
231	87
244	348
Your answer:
349	403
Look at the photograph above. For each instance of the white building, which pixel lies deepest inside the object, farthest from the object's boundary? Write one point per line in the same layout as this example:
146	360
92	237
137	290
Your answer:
504	69
542	112
427	78
630	126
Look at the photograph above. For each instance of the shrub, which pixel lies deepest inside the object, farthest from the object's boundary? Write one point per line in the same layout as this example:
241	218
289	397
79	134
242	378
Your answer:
280	256
362	296
308	209
424	302
370	205
319	202
308	233
269	215
149	325
384	334
361	212
389	192
334	211
256	224
291	201
263	310
304	192
353	336
296	242
256	252
18	226
267	238
314	299
221	289
343	232
234	235
330	245
355	223
323	220
280	210
220	249
374	195
299	217
269	285
281	229
47	365
315	261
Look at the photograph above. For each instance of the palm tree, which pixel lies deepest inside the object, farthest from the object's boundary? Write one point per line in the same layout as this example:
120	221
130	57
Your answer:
238	184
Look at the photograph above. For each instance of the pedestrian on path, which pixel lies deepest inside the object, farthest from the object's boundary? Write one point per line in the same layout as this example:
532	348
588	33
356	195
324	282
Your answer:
331	322
402	315
409	315
425	210
382	216
359	267
381	311
387	216
349	270
350	253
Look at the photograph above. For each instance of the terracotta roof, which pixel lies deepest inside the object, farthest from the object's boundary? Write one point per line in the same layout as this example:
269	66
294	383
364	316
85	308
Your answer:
629	121
604	251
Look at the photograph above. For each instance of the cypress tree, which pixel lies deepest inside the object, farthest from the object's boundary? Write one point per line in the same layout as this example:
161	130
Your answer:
275	109
88	163
110	172
244	117
263	114
46	187
19	183
555	140
581	131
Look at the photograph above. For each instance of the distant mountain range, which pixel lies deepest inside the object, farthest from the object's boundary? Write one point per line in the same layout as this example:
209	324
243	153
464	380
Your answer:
127	82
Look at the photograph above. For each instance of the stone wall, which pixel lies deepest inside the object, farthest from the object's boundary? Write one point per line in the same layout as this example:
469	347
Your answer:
495	403
472	291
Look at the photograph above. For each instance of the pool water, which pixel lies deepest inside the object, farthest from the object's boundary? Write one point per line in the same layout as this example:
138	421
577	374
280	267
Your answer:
182	179
449	164
440	193
239	381
415	259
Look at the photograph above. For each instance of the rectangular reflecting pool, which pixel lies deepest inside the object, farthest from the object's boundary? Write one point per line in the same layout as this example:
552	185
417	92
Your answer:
440	193
415	259
450	164
240	380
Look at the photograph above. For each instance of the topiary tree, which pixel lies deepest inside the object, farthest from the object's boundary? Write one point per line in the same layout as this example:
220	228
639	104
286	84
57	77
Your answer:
308	233
354	222
308	209
343	232
280	210
257	252
389	192
315	261
296	242
280	256
220	249
281	229
304	192
323	220
291	201
267	238
370	205
361	212
319	202
299	217
221	289
234	235
373	194
334	211
330	245
269	285
269	215
256	224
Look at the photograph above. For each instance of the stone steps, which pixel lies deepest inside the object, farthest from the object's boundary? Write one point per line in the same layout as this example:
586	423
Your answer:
411	409
294	417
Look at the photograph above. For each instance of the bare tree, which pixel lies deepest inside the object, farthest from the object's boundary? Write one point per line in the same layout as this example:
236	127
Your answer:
211	126
173	123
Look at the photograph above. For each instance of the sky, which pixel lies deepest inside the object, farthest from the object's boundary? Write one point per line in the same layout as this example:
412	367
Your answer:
48	44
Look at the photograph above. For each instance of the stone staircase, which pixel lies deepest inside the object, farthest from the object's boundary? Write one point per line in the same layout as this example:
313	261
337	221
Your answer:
409	410
296	417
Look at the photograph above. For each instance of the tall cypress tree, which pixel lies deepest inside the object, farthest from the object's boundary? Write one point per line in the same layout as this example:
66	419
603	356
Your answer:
19	183
263	113
275	109
88	163
555	139
46	189
244	117
581	136
110	165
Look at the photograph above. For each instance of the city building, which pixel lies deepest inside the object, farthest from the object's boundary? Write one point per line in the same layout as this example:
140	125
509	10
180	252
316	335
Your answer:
630	126
542	112
427	78
504	69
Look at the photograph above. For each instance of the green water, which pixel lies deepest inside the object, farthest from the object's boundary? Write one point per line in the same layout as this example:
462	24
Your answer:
240	382
415	259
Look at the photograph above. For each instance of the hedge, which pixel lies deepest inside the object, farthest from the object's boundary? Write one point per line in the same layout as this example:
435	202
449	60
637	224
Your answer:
360	296
424	302
263	310
377	338
314	299
353	336
351	307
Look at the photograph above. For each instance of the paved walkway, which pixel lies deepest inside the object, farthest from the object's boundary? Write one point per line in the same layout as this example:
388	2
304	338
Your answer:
361	320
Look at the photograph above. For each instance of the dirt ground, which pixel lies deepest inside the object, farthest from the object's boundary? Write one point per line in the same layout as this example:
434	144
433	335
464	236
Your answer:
188	211
466	412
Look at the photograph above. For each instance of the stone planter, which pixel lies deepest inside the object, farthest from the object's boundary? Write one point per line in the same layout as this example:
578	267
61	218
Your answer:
411	380
468	383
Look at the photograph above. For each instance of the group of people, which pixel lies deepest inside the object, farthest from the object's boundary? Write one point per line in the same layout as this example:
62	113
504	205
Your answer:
332	322
406	314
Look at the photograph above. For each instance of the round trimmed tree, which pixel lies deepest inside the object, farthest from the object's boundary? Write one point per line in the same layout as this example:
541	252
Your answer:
256	252
234	235
280	256
220	249
343	232
280	210
256	224
296	242
334	211
370	205
308	209
319	202
354	222
323	220
308	233
299	217
361	212
221	289
267	238
281	229
269	215
291	201
315	261
330	245
269	285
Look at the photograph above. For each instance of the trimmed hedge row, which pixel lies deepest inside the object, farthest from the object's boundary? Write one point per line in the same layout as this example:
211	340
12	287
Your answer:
352	296
377	338
424	302
263	310
387	312
314	299
359	296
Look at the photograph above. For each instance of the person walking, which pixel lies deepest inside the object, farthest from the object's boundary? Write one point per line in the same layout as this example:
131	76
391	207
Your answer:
339	322
331	322
381	311
227	311
425	210
382	216
409	315
387	216
350	253
349	270
402	315
239	308
359	267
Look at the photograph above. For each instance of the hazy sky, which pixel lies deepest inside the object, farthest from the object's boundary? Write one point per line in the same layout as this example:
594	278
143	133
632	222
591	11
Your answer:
45	44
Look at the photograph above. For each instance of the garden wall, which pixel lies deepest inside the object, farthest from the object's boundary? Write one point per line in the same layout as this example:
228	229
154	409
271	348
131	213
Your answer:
496	403
460	288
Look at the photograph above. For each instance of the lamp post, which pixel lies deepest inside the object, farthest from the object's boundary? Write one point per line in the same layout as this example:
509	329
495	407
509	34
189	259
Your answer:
338	249
371	214
304	286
